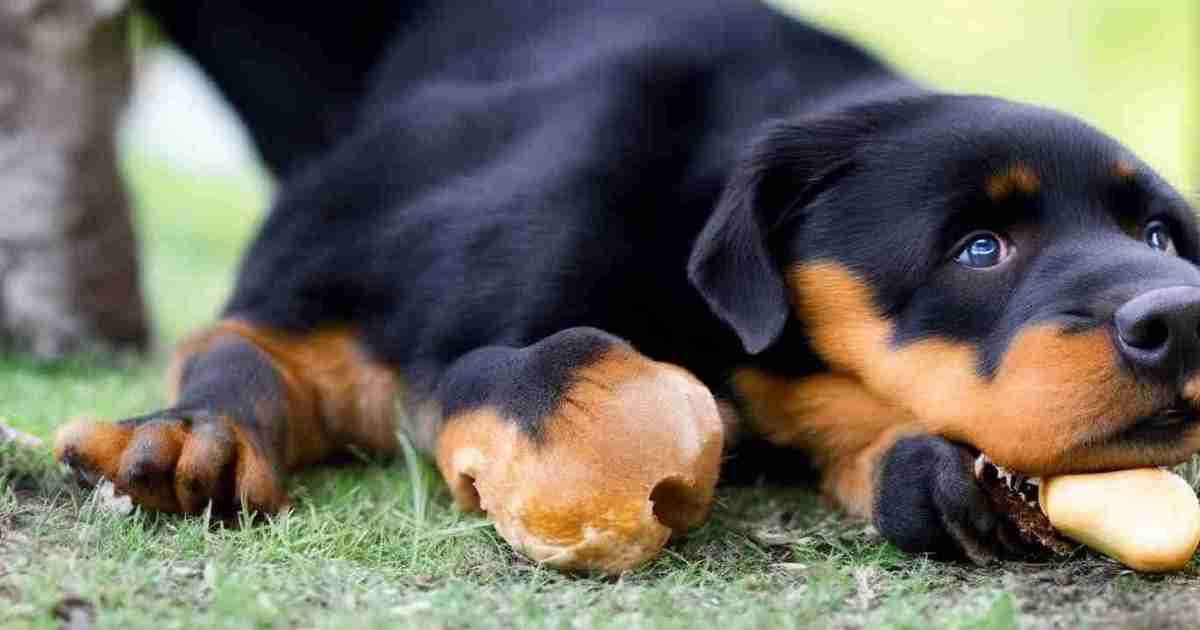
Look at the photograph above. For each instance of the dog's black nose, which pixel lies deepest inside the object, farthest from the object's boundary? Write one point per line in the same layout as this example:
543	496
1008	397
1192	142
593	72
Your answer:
1159	331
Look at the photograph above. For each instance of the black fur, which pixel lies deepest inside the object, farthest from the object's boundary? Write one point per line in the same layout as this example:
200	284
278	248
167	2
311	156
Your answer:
522	384
929	502
528	179
233	378
462	179
295	72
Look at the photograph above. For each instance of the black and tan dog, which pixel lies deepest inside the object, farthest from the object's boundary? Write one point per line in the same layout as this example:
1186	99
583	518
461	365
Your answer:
560	232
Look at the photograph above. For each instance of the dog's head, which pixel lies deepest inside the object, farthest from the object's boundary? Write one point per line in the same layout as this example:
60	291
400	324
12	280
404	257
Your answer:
1017	280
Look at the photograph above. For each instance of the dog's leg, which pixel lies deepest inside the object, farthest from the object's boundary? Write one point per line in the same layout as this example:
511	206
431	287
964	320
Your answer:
585	454
251	404
878	463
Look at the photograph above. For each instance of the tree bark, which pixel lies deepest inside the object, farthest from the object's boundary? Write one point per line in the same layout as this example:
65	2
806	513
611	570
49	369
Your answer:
69	275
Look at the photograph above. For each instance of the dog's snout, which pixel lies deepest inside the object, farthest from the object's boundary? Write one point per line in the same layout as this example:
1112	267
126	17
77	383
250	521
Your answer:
1159	331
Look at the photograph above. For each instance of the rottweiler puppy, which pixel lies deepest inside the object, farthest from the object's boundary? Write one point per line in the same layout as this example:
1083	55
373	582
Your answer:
575	249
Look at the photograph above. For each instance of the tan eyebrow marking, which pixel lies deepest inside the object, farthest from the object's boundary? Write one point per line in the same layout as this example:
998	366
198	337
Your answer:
1124	170
1018	177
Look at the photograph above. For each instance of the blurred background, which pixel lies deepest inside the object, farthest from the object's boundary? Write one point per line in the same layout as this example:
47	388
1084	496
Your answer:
1130	67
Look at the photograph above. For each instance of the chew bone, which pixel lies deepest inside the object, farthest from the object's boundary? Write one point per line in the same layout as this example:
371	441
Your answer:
1146	518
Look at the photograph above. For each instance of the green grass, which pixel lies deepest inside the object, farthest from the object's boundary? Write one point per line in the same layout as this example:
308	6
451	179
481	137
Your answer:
377	543
354	551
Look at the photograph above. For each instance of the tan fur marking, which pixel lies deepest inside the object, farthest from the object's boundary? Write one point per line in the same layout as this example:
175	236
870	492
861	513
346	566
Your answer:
1052	403
1191	390
146	467
334	398
580	498
1124	171
852	480
1017	178
258	482
94	444
833	417
203	461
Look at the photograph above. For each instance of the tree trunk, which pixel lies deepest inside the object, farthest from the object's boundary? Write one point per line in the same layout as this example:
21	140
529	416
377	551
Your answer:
68	255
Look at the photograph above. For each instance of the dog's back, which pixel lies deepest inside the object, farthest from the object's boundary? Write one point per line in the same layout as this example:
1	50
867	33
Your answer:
301	75
577	146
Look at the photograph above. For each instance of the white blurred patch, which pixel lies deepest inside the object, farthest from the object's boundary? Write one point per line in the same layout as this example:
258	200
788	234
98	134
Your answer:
8	433
177	115
108	499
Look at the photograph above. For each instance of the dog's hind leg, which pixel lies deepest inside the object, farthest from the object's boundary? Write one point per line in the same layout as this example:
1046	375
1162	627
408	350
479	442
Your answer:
585	454
251	404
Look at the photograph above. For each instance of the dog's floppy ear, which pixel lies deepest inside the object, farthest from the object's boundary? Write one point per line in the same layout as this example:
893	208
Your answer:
733	264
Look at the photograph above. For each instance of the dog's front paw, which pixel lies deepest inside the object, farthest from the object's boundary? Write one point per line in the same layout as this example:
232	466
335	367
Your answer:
174	464
623	457
928	501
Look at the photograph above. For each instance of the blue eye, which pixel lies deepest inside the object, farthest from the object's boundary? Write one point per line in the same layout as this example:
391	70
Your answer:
982	250
1158	236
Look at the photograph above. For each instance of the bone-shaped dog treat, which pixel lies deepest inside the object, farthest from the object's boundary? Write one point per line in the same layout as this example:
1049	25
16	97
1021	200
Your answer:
1146	518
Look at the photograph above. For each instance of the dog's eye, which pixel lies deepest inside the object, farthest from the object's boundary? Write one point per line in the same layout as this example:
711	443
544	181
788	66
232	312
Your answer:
982	250
1158	236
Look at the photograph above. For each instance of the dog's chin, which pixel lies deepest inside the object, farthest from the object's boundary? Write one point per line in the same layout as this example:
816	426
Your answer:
1168	436
1169	426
